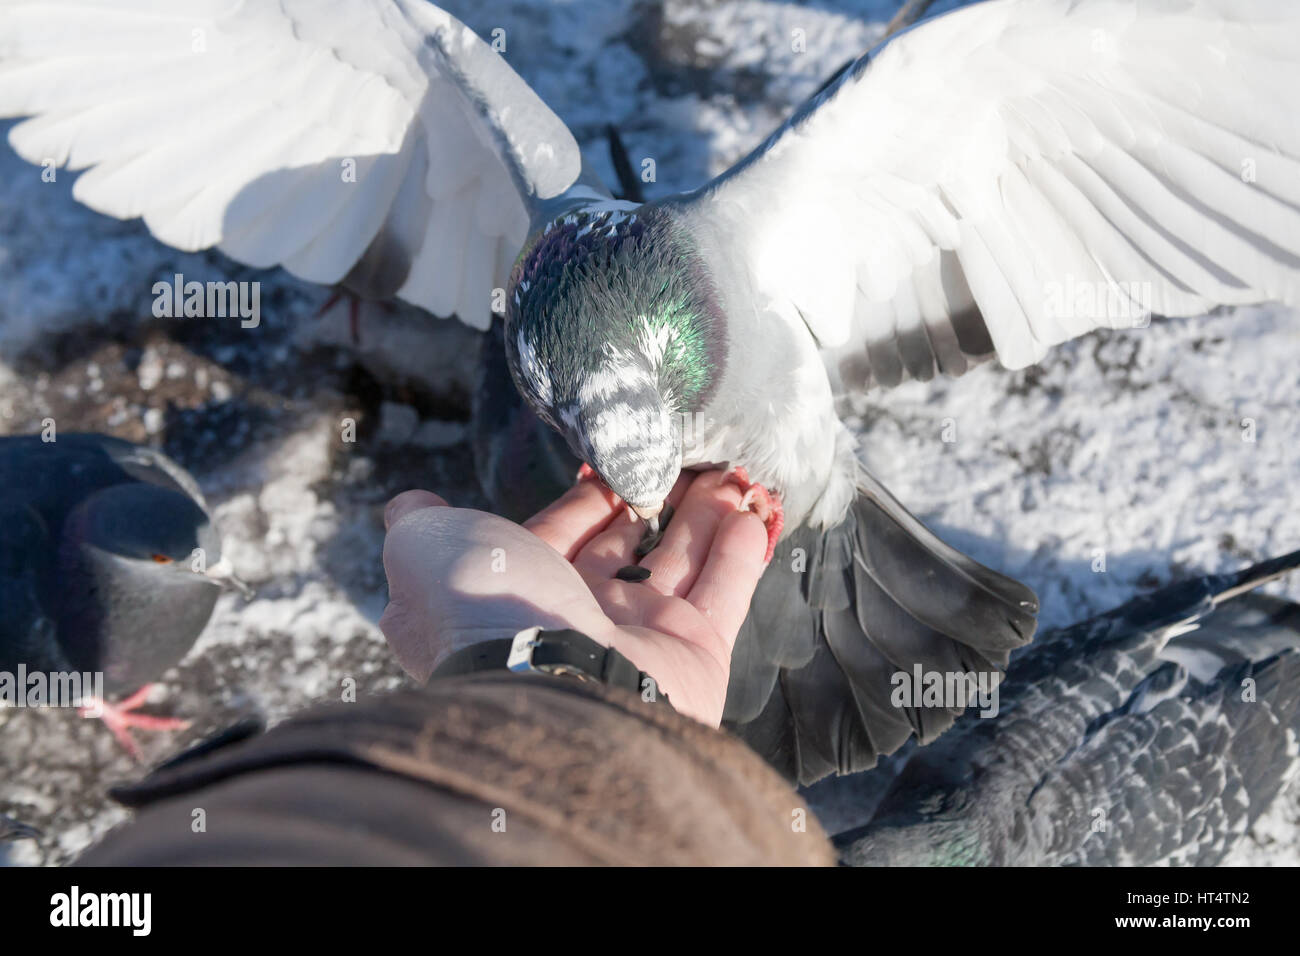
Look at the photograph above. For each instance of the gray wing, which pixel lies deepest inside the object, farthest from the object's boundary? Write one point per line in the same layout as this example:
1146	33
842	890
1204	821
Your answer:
1180	783
1125	739
149	465
813	667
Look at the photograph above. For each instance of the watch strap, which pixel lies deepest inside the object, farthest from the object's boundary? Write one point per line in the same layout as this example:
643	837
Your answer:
565	652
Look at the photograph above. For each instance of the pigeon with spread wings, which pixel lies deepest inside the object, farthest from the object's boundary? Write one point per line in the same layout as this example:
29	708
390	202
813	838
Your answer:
993	181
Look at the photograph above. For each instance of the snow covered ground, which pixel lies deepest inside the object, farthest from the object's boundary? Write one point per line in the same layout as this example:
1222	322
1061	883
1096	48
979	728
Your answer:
1128	444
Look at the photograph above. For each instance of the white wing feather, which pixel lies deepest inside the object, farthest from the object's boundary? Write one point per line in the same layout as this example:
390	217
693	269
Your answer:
1019	172
239	125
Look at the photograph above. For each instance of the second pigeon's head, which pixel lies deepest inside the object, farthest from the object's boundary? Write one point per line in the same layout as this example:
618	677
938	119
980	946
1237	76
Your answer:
140	564
145	525
615	339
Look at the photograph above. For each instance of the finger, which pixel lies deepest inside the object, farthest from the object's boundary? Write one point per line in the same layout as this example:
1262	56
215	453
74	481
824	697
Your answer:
409	501
613	548
726	583
601	557
675	563
681	486
575	517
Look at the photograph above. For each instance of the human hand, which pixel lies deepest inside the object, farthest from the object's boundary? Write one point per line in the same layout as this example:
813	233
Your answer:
457	577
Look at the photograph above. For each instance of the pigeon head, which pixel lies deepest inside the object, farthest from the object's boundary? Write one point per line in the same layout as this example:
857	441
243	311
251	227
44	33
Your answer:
142	524
615	339
139	571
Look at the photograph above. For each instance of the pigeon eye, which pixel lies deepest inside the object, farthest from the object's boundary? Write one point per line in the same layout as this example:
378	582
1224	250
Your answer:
161	559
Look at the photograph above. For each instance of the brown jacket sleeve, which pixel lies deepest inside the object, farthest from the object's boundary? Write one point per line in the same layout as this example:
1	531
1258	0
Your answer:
492	768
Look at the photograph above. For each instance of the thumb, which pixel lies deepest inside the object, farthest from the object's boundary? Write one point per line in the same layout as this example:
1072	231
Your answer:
408	501
408	636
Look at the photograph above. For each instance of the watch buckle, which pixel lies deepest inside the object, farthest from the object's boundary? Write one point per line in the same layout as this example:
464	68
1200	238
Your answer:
521	650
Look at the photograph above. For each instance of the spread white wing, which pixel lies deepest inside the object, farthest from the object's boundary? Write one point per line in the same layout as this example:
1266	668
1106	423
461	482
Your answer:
378	143
1019	172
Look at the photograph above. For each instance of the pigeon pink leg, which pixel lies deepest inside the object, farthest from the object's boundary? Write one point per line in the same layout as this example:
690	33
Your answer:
764	503
354	312
120	719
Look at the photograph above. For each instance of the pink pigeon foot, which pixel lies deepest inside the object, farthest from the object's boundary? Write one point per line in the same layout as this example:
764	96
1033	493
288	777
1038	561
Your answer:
354	312
762	502
120	719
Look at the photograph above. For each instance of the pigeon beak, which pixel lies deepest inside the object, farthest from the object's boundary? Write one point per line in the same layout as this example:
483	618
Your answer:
649	515
223	575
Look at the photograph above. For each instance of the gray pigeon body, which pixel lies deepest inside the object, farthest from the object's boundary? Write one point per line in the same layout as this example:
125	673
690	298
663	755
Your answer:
98	564
1154	734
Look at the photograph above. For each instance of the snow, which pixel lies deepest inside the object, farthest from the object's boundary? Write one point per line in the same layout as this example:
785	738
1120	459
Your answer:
1124	445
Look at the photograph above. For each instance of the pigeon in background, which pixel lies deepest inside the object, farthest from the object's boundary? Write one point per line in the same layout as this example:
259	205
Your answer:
1156	733
989	183
109	563
11	829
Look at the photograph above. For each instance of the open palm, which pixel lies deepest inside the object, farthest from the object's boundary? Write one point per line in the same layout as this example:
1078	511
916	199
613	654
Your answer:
458	576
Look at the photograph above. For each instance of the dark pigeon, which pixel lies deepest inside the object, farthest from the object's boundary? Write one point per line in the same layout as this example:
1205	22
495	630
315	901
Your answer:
1154	734
109	563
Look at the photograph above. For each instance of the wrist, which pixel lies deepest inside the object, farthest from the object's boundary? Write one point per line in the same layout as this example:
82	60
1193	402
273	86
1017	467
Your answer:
561	653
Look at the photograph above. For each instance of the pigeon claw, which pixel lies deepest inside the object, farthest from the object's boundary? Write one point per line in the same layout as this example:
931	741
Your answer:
120	719
763	503
586	473
354	312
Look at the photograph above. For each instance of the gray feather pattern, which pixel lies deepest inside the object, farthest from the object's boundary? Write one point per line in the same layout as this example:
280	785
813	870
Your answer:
1106	750
883	594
